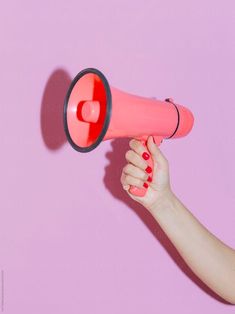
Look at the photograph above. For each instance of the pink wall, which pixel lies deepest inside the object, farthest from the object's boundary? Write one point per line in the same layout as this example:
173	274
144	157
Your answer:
70	239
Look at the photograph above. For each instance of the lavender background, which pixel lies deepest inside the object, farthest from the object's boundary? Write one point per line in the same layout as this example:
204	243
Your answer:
71	241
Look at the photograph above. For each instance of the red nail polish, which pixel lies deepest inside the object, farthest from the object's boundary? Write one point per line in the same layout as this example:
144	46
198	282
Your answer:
148	169
145	185
149	179
145	156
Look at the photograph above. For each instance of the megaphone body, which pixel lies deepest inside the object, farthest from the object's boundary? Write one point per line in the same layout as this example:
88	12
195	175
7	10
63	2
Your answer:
94	112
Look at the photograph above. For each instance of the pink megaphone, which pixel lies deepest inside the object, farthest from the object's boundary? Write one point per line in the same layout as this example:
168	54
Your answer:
94	112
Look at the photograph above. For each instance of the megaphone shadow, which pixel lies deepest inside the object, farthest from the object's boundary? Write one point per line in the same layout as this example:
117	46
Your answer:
51	118
112	183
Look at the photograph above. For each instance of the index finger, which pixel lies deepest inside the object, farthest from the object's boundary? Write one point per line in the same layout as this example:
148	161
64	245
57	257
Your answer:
139	148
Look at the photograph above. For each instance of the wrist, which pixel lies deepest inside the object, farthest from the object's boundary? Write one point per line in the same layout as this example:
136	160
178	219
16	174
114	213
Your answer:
164	201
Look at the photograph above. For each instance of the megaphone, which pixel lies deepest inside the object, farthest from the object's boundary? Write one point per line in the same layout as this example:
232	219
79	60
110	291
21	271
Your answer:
94	112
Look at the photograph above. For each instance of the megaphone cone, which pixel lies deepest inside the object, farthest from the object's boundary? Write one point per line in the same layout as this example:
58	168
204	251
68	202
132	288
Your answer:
94	112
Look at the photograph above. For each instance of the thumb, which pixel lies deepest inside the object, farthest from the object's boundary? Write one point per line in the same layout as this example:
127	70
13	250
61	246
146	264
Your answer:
158	158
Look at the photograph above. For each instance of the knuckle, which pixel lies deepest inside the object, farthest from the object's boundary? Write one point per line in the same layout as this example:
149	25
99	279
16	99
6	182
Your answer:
128	178
131	143
122	178
128	154
127	168
124	182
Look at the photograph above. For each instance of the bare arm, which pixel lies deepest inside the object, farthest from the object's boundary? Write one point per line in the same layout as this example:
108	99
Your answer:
208	257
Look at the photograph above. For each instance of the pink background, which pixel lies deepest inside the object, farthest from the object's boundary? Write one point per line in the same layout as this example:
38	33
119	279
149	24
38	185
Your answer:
71	241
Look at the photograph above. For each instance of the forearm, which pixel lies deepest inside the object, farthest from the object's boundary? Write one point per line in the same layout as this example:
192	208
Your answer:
209	258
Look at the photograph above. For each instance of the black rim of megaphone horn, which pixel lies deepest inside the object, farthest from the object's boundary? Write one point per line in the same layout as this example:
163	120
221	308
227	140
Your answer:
107	116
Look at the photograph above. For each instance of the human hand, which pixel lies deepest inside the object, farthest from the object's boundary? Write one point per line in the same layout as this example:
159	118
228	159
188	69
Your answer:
134	173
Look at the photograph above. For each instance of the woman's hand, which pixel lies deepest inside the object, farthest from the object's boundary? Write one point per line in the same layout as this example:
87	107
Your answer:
134	173
204	253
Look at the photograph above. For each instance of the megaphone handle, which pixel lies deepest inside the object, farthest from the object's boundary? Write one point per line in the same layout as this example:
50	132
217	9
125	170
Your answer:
141	191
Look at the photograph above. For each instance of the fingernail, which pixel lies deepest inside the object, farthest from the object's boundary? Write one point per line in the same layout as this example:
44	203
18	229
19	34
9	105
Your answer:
145	185
148	169
149	179
145	156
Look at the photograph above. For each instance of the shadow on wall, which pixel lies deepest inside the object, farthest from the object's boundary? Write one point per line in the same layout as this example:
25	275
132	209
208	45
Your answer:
112	182
51	119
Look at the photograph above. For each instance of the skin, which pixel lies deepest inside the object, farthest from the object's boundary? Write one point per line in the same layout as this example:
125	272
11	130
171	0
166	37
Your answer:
207	256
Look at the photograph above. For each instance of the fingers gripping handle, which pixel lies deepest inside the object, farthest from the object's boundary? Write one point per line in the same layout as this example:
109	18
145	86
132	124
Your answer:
141	191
